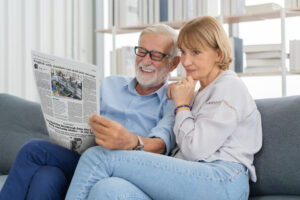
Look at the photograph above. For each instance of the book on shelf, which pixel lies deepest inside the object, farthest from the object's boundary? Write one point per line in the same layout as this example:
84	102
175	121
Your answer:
262	48
156	11
150	11
262	69
125	61
189	9
232	7
262	8
178	10
110	14
144	11
210	7
264	55
119	63
116	13
163	11
292	4
294	55
123	13
129	13
237	54
237	7
113	63
263	62
170	10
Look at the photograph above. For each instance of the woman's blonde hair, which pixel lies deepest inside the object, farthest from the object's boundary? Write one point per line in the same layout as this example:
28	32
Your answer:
206	29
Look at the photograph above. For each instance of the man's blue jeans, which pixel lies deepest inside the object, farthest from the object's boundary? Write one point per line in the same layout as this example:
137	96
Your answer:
42	170
115	174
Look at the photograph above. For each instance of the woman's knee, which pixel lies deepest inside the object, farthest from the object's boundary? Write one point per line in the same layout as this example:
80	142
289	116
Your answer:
116	188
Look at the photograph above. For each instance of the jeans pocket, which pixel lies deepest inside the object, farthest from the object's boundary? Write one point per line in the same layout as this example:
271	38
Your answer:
229	168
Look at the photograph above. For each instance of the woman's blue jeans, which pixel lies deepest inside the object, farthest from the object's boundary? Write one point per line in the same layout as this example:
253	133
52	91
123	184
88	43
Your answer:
116	174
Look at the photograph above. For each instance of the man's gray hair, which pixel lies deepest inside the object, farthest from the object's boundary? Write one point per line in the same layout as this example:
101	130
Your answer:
163	29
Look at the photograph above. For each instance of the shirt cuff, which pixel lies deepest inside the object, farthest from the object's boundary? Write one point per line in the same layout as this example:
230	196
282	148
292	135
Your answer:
179	126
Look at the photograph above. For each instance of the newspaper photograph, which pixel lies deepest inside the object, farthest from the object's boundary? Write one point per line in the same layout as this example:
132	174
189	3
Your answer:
69	94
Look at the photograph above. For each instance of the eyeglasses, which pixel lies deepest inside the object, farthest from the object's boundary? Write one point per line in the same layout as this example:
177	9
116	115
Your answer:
154	55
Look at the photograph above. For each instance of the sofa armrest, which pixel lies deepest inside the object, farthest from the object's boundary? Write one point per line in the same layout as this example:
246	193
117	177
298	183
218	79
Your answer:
20	120
278	162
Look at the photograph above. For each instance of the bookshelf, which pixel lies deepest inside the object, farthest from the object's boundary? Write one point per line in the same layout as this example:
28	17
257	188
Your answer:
226	20
251	74
281	14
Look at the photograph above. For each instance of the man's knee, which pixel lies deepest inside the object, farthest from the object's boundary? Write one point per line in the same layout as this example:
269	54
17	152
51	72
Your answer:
31	145
51	176
48	183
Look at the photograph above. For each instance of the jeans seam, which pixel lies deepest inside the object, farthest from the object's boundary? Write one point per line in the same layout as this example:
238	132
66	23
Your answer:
168	169
91	175
127	196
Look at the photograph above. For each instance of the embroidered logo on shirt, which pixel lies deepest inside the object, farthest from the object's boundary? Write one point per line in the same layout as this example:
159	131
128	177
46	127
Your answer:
219	102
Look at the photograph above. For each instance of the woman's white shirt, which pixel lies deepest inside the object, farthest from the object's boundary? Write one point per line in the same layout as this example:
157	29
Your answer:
224	124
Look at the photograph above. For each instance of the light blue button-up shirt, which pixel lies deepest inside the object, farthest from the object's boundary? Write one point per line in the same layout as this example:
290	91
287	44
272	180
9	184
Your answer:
145	115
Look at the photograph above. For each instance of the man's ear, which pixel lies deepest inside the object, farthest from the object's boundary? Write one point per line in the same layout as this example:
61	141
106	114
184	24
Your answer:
174	63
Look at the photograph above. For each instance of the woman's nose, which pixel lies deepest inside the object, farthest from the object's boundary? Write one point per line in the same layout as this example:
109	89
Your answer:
186	60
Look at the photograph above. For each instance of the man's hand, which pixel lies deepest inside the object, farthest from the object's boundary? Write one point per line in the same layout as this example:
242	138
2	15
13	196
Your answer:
111	134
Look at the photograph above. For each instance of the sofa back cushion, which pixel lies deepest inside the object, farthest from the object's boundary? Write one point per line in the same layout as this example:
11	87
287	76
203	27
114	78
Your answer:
278	162
19	120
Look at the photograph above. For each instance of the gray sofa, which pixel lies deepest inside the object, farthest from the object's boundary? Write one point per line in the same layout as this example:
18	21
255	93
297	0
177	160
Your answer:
277	164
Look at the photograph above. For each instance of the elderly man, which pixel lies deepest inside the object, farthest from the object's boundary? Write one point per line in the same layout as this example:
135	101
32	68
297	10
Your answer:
135	115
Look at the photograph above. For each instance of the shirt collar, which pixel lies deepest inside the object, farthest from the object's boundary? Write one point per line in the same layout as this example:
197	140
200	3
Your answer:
161	92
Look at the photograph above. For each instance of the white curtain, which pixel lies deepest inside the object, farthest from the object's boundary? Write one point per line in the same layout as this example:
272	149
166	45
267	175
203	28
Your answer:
59	27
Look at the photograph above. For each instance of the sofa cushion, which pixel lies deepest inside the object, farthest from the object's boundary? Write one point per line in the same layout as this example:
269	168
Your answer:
19	120
278	162
279	197
2	180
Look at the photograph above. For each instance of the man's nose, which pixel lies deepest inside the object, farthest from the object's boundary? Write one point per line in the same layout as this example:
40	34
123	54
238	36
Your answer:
147	60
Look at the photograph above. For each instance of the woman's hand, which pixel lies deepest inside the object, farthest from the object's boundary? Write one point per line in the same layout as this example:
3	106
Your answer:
182	92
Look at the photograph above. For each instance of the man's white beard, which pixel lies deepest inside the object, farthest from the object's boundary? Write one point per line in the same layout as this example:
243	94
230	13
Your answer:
151	81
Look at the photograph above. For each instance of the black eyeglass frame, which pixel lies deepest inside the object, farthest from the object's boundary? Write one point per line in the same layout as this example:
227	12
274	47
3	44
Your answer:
150	53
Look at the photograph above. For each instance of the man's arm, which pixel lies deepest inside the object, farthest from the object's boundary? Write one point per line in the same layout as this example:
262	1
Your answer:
112	135
155	145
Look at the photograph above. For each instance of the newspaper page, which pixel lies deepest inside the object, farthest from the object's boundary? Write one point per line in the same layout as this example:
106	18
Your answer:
69	94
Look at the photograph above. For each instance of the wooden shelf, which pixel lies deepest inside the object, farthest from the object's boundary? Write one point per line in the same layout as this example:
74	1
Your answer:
132	29
260	16
250	75
226	19
266	74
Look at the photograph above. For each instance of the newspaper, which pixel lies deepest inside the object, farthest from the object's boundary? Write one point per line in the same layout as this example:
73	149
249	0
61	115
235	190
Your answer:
69	94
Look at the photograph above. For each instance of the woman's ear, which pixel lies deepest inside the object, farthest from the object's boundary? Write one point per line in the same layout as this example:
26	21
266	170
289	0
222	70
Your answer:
219	55
174	63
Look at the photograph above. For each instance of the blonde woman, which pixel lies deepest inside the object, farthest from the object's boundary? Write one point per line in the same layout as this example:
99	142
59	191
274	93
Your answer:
217	128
